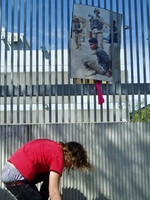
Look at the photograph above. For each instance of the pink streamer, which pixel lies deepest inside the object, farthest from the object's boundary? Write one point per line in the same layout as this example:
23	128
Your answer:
99	92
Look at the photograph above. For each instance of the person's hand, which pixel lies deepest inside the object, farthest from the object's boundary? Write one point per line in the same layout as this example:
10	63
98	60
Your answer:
54	179
108	73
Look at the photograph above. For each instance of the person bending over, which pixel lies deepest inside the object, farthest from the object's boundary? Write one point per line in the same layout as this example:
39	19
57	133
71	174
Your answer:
42	160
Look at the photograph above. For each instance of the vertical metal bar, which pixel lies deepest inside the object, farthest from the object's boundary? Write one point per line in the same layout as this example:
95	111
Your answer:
31	50
137	22
101	106
144	61
105	4
18	66
107	90
125	59
132	73
43	57
24	63
113	81
87	82
88	101
68	22
95	102
88	95
62	58
5	62
75	86
118	62
12	62
56	68
75	100
107	100
82	96
50	81
75	82
131	52
112	98
82	102
37	61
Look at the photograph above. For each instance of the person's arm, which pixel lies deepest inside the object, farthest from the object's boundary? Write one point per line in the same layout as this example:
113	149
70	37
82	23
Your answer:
104	23
54	179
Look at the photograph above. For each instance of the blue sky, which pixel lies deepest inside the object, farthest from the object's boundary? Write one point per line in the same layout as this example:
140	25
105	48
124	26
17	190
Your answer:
38	19
47	13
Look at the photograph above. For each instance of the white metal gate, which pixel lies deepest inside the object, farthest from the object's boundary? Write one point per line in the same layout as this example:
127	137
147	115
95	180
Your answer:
35	83
118	151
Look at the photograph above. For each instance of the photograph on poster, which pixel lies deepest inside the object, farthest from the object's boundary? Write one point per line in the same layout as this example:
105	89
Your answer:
95	34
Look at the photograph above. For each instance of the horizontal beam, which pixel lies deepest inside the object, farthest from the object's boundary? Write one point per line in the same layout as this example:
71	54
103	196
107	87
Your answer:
73	89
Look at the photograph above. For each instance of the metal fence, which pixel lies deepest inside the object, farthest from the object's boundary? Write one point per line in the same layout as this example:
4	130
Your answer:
118	151
35	83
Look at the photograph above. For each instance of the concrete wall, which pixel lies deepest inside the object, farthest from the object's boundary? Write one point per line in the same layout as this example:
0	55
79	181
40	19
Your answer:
118	151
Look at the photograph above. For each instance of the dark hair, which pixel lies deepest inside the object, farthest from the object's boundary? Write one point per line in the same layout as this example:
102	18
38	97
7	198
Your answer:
75	153
97	10
93	40
77	19
114	21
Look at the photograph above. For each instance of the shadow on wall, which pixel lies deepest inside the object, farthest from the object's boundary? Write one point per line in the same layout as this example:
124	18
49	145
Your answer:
67	194
74	194
6	195
101	197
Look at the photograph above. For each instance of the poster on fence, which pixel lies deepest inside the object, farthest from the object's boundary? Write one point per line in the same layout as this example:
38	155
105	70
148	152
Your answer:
95	43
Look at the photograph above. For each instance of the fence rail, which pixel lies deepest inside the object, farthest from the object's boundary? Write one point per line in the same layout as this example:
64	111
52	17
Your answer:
41	90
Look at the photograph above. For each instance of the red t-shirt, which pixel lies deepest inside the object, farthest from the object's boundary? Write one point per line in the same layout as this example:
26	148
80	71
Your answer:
38	156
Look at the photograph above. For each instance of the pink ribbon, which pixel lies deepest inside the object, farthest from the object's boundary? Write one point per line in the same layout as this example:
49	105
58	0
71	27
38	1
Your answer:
99	92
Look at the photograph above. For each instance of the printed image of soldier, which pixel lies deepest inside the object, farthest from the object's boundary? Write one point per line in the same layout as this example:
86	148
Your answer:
115	38
77	29
96	25
114	47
